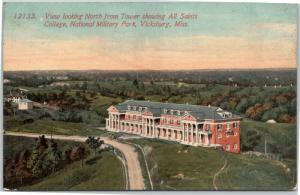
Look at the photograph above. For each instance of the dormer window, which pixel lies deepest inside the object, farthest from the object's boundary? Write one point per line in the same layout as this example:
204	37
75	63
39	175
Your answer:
140	109
129	107
165	111
178	112
134	107
171	112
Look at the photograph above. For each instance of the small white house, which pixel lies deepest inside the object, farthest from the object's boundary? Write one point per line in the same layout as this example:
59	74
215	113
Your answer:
5	81
15	97
271	121
25	104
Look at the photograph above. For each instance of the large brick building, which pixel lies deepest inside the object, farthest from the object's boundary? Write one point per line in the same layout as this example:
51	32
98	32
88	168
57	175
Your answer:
194	125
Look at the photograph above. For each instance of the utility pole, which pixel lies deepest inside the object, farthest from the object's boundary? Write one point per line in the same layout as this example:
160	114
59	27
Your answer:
51	133
265	145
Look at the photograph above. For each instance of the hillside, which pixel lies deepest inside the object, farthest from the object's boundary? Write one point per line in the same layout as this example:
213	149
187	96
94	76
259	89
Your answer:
103	172
178	167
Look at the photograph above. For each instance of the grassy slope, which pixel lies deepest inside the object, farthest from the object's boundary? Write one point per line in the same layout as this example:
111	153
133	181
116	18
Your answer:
198	165
104	174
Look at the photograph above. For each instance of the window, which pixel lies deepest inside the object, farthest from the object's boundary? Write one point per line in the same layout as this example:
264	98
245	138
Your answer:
235	124
134	117
227	147
235	146
235	133
208	127
178	122
134	107
178	112
171	112
129	107
165	111
140	109
228	125
219	135
171	121
219	126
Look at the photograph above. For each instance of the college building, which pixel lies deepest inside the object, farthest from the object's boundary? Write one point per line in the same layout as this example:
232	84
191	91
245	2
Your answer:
194	125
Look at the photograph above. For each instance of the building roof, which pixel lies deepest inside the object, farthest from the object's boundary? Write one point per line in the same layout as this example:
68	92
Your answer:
25	101
158	108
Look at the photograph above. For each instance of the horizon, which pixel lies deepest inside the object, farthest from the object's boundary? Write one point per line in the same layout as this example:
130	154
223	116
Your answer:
152	70
224	36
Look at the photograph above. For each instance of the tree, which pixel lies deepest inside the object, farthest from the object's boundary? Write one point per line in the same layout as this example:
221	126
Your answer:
53	157
40	147
78	153
77	93
250	140
135	83
94	143
93	94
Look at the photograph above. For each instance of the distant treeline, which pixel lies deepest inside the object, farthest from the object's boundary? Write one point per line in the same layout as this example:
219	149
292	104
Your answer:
224	77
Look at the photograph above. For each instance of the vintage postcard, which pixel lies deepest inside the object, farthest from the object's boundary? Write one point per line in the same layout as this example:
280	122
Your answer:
149	96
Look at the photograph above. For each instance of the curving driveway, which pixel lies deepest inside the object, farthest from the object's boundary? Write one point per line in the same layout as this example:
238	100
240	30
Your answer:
136	181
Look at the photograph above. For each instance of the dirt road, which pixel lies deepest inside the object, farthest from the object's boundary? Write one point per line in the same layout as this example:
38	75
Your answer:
136	181
216	175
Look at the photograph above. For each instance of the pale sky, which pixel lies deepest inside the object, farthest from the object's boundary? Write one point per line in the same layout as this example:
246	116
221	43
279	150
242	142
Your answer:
224	36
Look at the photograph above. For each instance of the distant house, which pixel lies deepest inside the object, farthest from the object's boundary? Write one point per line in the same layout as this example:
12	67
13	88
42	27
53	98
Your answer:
15	97
23	90
61	78
25	104
60	84
271	121
5	81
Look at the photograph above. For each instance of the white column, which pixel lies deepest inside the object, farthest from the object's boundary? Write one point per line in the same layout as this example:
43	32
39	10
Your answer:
109	117
188	133
173	134
116	122
196	133
119	125
112	121
153	129
183	131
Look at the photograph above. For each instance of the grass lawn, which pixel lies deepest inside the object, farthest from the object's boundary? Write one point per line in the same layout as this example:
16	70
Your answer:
104	101
104	172
197	167
47	126
281	137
